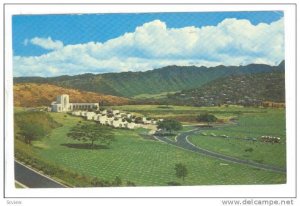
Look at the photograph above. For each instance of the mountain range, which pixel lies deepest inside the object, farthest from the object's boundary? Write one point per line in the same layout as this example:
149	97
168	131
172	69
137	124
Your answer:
162	80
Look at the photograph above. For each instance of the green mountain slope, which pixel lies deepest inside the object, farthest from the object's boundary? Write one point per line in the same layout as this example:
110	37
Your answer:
167	79
246	89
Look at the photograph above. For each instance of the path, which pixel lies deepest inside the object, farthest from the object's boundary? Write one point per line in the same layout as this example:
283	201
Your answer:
183	142
33	179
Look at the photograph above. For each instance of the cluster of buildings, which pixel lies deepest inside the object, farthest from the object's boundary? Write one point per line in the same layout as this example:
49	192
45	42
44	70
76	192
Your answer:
113	118
116	119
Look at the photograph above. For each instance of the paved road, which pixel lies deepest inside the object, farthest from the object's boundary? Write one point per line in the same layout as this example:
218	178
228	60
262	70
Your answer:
32	179
183	142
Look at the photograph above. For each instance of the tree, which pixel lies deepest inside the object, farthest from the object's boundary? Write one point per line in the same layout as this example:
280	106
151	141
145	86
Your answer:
101	104
206	117
138	120
169	125
32	125
129	120
181	171
92	133
31	131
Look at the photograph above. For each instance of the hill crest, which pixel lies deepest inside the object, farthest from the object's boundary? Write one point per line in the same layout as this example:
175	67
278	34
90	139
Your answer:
166	79
32	95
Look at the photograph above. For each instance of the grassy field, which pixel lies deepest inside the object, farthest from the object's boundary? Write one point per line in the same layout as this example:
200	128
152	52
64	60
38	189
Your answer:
251	123
142	161
146	162
187	114
248	126
153	96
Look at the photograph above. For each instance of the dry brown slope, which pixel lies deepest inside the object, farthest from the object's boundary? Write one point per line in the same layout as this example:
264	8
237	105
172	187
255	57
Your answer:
32	95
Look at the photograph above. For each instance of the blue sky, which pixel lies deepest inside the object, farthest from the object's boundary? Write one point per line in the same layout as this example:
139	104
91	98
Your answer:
47	36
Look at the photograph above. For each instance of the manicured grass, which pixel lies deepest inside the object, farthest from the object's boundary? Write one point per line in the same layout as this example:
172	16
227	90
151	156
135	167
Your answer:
188	113
158	108
153	96
249	125
142	161
186	128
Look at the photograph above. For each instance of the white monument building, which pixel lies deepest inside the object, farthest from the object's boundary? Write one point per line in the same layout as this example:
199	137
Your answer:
62	104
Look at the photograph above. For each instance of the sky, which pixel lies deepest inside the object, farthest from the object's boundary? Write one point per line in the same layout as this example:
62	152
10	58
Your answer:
53	45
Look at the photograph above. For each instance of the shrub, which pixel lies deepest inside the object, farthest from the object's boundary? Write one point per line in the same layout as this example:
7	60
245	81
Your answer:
33	125
249	150
169	125
206	117
173	183
129	183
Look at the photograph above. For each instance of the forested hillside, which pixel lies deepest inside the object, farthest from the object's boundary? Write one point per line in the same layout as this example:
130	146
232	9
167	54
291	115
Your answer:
167	79
249	89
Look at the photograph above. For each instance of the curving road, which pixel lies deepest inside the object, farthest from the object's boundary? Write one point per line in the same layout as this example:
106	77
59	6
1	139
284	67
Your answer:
183	142
32	179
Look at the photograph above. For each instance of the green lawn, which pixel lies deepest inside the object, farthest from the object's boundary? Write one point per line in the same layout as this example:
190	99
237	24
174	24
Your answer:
142	161
159	108
188	113
249	125
153	96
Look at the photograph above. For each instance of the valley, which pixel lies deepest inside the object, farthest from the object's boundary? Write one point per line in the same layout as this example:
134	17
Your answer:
247	103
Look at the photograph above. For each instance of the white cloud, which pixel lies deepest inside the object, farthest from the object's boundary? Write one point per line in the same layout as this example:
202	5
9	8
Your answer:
153	45
47	43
